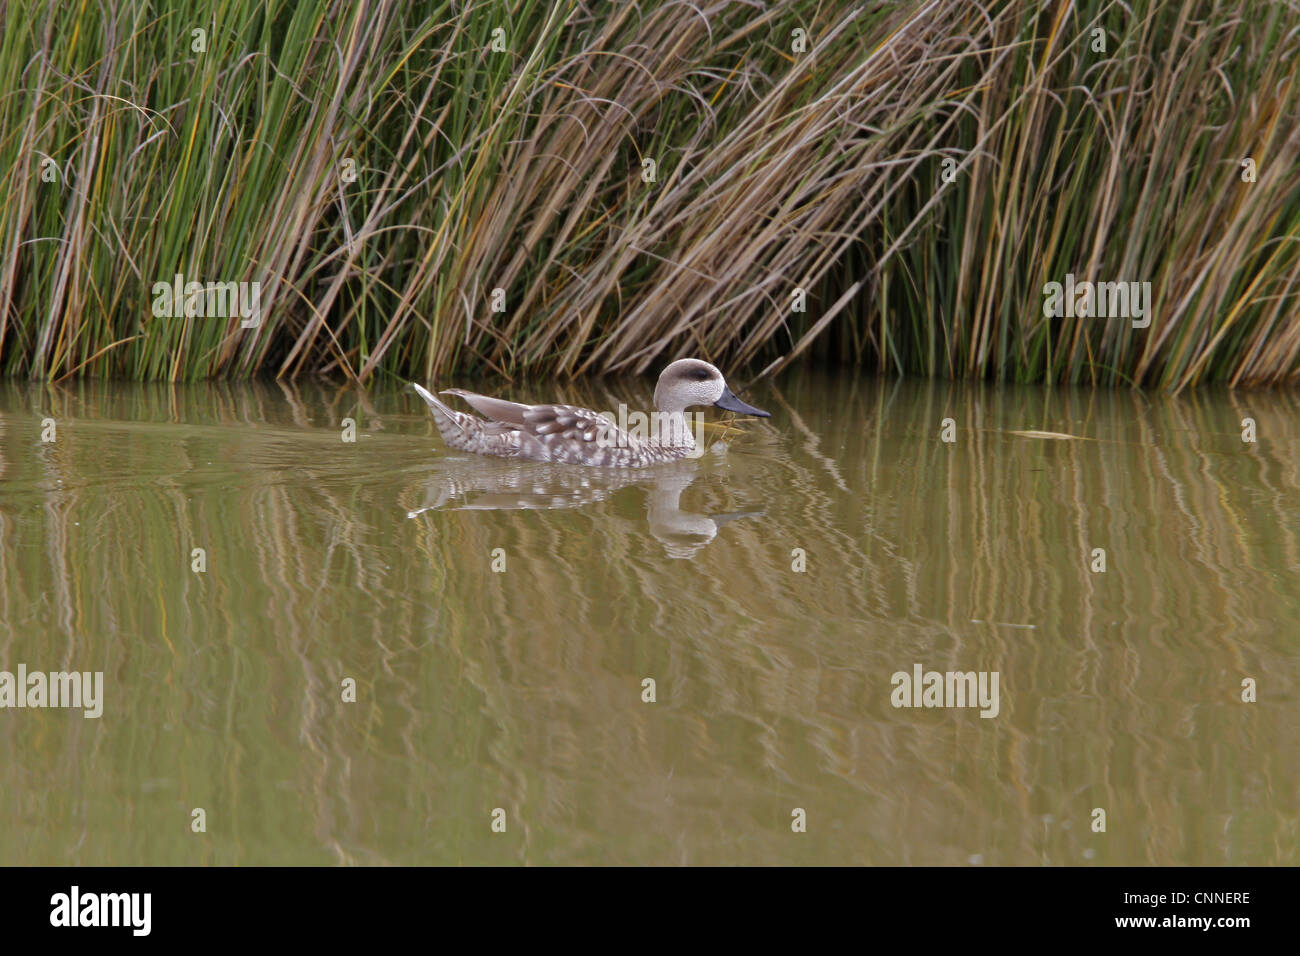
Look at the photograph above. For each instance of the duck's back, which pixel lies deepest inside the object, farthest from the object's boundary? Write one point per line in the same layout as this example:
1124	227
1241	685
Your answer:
564	434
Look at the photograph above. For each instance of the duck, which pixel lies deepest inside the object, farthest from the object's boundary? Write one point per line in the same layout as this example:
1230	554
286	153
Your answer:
568	434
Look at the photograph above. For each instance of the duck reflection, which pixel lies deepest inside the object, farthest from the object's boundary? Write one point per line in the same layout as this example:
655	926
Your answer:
485	485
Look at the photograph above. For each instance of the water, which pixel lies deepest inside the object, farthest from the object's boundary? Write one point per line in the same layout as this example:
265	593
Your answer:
522	690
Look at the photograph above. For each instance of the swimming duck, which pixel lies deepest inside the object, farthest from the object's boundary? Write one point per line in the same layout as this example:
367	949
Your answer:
571	435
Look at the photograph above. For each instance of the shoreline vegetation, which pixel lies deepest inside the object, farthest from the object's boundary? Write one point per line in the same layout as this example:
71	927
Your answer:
422	190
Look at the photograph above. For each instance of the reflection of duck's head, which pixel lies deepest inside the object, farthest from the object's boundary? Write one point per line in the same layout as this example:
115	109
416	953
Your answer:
682	532
688	382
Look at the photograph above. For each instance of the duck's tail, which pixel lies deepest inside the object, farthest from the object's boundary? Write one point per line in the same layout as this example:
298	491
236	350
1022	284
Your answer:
453	425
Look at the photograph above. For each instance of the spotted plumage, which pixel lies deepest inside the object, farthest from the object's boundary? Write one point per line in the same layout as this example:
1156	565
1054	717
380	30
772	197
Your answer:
568	434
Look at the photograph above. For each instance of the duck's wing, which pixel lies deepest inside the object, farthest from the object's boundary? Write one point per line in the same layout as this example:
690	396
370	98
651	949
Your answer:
568	423
564	433
560	433
497	409
576	435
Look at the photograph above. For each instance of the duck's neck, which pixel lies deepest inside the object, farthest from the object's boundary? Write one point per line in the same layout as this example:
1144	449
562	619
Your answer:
673	430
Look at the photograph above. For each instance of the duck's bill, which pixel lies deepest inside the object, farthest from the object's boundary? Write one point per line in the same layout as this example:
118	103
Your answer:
731	403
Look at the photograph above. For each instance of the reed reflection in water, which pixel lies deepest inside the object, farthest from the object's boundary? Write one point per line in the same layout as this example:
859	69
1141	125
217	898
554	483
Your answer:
523	689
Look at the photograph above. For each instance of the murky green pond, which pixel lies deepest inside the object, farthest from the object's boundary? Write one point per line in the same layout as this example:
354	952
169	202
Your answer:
499	621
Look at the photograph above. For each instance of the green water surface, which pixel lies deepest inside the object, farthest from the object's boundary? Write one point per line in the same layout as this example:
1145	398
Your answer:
854	543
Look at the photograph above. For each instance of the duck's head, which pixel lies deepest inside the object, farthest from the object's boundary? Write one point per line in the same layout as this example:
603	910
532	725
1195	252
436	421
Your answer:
690	382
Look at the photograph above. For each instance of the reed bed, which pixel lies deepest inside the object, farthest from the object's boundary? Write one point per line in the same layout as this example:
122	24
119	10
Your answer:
381	170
